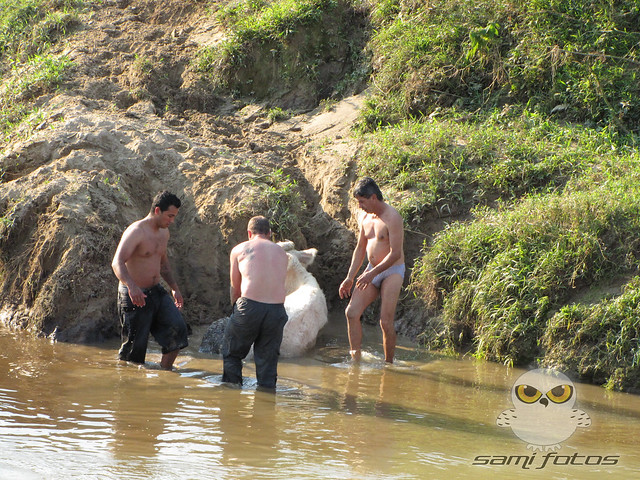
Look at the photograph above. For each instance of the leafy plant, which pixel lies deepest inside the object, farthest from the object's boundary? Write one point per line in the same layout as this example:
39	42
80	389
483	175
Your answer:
482	39
278	198
275	114
40	75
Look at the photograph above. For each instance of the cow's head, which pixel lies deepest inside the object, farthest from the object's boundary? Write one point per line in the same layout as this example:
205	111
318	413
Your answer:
305	257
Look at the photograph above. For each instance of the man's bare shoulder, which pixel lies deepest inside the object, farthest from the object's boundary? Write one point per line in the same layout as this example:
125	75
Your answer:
279	250
239	248
364	218
135	230
391	215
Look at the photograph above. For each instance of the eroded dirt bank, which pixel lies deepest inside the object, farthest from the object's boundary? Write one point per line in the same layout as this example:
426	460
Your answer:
117	133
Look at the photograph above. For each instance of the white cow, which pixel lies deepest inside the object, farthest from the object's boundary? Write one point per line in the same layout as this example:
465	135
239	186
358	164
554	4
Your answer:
305	303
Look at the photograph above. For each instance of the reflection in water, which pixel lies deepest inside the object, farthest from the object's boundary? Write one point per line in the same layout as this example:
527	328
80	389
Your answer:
76	412
250	431
138	410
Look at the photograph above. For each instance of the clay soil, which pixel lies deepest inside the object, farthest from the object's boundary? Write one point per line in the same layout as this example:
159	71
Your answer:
116	133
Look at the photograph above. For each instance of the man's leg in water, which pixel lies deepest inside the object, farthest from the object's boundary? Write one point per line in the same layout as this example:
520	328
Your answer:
166	362
360	300
389	294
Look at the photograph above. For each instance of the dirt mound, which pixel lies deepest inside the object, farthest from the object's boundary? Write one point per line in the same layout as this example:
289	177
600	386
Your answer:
134	120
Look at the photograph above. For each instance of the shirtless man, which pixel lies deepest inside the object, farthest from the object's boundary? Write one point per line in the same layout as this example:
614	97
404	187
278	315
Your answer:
380	239
144	305
258	272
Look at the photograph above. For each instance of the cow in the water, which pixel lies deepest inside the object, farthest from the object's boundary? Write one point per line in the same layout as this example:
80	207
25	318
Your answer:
305	305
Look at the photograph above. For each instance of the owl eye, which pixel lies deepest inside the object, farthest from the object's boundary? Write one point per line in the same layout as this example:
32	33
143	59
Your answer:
527	393
560	394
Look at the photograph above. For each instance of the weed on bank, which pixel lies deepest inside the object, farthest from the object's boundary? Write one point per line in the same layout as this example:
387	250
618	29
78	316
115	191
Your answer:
500	278
28	28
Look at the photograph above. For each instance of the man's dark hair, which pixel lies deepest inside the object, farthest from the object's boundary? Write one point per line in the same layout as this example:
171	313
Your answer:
164	200
367	187
259	226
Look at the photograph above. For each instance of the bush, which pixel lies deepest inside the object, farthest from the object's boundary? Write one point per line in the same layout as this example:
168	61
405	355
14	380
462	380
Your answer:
599	342
500	277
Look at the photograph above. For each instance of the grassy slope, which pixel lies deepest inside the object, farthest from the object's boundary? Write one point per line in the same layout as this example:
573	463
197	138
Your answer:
524	115
27	30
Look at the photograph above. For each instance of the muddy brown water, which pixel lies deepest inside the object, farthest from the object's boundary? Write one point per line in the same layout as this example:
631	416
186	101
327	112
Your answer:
76	412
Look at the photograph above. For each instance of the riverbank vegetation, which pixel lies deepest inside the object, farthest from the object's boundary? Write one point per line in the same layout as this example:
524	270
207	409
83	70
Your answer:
27	29
517	124
292	53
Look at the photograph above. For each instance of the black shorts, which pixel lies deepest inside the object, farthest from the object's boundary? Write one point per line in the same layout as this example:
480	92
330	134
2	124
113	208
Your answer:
258	324
159	317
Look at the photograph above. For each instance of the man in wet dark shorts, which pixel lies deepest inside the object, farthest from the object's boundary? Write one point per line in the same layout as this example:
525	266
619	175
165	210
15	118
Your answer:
258	269
159	317
144	306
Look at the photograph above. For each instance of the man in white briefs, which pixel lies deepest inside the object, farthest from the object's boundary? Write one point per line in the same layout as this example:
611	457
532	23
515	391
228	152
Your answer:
380	239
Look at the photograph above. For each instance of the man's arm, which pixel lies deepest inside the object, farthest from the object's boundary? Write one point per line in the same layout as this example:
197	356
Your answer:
358	256
167	274
126	247
235	277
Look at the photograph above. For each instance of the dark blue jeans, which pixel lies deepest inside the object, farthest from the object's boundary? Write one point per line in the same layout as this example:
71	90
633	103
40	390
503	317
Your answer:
159	317
258	324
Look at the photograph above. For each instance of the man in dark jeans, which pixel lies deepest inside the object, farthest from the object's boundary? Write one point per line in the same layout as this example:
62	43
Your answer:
258	269
144	305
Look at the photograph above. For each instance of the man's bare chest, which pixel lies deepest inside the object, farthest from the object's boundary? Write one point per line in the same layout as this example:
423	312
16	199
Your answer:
375	229
151	247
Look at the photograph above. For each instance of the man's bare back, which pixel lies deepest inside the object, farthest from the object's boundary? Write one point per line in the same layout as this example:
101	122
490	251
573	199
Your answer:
258	270
254	261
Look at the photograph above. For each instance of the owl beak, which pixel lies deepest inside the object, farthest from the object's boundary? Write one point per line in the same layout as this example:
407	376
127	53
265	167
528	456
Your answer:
544	401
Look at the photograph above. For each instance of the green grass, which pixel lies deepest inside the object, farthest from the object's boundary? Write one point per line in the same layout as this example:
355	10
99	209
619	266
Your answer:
599	342
27	30
257	22
448	164
39	75
29	27
580	60
499	278
263	21
276	46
